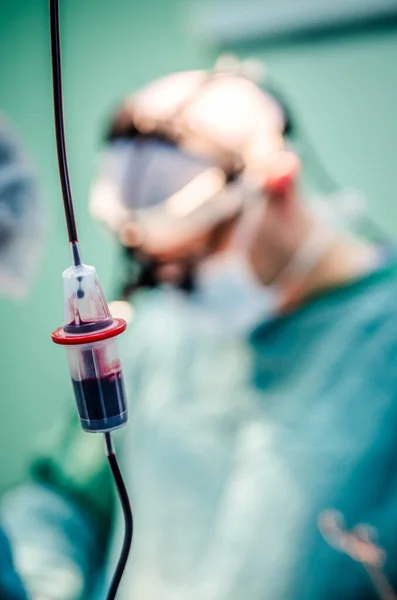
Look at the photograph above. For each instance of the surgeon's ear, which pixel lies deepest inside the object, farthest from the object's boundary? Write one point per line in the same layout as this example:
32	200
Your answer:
282	172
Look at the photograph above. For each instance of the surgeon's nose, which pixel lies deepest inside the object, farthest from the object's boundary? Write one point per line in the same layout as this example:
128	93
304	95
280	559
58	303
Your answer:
131	235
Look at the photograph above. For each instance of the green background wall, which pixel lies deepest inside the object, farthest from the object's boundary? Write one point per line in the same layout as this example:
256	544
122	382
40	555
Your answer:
109	48
345	90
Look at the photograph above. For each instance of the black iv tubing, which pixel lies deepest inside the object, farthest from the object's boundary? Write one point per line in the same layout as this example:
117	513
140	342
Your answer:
128	520
72	232
59	126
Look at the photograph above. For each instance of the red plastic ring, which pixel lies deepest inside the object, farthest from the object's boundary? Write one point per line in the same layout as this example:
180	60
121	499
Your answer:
59	336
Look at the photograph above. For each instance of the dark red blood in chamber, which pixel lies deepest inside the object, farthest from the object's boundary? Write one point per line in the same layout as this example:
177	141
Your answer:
102	398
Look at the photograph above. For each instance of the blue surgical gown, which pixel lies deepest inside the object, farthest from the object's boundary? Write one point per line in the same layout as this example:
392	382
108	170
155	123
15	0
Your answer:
237	447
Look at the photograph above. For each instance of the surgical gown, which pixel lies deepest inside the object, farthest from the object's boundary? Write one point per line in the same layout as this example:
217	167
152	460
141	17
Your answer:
234	450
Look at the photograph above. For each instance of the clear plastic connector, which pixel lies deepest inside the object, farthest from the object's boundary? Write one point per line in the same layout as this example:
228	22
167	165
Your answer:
84	305
89	334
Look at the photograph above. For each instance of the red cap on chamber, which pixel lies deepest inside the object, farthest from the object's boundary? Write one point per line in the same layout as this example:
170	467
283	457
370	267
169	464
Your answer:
63	338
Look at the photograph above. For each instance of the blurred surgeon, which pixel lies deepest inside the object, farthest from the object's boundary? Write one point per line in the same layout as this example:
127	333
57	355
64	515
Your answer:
21	220
261	366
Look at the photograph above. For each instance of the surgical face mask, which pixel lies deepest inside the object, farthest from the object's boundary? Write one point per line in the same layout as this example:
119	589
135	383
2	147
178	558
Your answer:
229	292
227	289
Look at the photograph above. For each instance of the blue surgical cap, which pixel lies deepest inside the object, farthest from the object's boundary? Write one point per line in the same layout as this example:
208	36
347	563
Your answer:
21	216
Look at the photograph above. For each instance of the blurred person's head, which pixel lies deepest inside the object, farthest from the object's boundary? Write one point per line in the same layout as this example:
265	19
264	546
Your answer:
199	186
21	216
